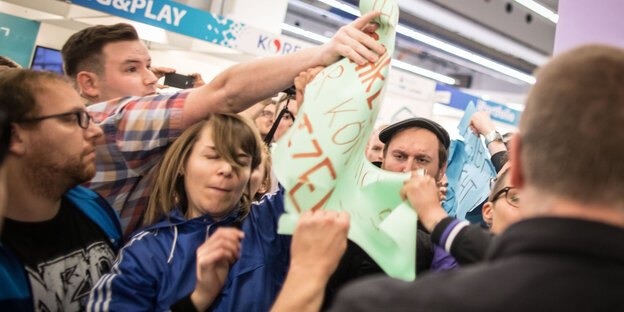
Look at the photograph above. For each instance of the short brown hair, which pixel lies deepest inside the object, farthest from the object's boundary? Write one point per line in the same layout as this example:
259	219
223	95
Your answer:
5	61
266	178
572	129
83	50
18	88
229	133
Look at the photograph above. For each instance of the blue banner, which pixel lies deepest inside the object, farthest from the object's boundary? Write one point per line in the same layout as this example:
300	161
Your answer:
172	16
469	170
192	22
17	38
498	112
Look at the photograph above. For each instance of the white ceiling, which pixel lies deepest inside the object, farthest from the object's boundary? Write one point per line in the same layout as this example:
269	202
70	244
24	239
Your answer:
481	26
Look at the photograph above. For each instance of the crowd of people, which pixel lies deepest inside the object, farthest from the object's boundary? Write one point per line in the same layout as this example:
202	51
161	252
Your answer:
115	197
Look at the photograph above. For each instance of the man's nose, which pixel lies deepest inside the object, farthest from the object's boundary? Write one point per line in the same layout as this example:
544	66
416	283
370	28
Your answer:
149	77
415	165
409	164
93	131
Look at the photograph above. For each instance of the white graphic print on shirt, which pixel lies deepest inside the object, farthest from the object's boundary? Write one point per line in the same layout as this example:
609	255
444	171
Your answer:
63	284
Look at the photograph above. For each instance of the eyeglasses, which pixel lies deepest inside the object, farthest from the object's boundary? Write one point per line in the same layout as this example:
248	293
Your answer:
511	196
82	117
267	114
289	116
492	183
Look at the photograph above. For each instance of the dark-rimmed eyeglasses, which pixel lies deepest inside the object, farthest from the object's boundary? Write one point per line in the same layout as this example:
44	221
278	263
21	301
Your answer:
511	196
82	117
289	115
493	182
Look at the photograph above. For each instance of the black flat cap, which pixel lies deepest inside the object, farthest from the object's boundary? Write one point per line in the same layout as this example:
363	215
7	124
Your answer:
386	134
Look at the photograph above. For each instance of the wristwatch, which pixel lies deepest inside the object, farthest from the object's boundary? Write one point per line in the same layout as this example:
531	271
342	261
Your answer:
492	136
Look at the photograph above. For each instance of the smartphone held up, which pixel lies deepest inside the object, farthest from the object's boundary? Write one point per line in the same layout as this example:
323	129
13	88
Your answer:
179	81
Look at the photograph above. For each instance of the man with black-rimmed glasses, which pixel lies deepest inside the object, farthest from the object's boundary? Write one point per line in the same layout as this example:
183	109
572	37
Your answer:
108	63
58	238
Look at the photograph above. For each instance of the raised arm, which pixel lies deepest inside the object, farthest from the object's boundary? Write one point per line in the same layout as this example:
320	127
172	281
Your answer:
466	243
482	124
242	85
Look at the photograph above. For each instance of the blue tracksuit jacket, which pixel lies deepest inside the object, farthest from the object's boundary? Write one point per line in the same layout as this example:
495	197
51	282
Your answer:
157	266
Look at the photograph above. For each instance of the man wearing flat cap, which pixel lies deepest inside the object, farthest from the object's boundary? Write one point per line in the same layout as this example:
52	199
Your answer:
415	143
411	144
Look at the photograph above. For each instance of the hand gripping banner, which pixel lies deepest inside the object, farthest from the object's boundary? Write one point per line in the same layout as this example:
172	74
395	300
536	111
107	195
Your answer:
321	162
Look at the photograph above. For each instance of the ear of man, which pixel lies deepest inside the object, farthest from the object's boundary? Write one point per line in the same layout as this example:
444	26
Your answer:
441	173
88	84
516	175
488	213
17	144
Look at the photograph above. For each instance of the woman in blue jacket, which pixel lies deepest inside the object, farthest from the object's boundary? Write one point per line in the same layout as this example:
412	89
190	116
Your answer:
207	246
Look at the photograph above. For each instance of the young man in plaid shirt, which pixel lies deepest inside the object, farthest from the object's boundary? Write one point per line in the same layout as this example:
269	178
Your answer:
109	62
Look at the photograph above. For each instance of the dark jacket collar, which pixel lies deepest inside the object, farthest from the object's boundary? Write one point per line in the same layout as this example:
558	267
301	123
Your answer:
575	237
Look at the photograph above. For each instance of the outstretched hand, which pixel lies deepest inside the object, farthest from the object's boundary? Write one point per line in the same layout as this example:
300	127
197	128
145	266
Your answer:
481	123
354	42
302	80
319	241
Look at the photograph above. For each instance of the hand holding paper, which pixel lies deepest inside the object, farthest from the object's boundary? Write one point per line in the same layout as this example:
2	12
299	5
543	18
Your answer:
343	42
302	80
321	161
469	169
481	123
422	192
319	241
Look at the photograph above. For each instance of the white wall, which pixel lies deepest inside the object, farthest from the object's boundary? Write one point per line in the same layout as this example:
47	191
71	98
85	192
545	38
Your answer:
407	95
51	36
187	62
264	14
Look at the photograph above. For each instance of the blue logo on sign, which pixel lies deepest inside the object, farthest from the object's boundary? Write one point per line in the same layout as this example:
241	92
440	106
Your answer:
276	46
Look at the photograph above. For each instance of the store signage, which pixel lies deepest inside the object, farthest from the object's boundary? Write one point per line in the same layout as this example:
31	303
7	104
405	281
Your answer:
275	45
192	22
460	100
259	42
17	38
172	16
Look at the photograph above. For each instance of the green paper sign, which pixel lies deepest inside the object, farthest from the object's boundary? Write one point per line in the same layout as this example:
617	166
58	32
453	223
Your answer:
321	162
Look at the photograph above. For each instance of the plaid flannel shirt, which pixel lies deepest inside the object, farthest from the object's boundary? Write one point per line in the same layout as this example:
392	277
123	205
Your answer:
137	132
